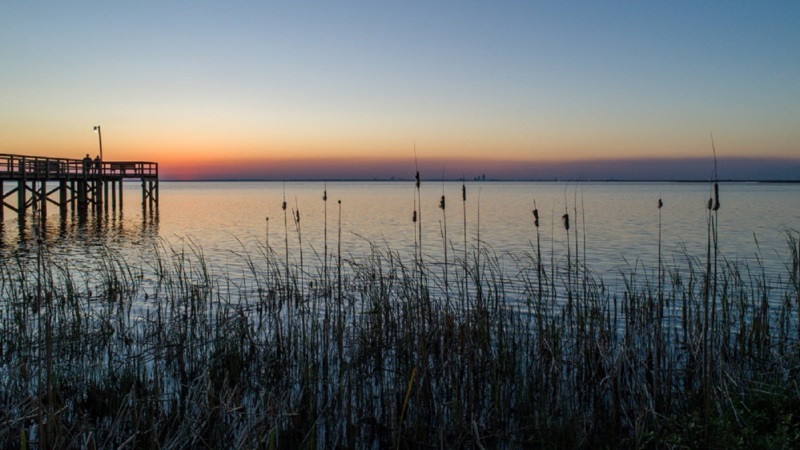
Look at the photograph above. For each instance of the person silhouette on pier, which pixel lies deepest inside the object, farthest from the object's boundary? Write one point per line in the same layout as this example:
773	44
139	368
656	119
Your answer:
87	164
97	164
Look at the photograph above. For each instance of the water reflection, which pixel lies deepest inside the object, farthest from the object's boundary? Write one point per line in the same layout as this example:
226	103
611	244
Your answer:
614	225
78	235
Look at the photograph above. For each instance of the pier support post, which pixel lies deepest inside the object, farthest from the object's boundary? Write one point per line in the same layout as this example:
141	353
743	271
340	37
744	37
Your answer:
82	206
105	194
74	193
62	197
113	195
98	195
22	197
150	190
42	198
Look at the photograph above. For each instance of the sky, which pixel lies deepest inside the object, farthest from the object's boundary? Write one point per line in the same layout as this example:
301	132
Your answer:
327	90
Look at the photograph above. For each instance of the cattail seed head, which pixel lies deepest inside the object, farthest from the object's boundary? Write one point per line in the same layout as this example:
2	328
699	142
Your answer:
716	197
565	219
283	207
464	192
660	203
441	202
298	216
710	203
325	195
414	216
416	177
536	218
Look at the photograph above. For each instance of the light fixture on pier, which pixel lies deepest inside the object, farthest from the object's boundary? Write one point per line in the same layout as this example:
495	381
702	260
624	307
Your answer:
100	140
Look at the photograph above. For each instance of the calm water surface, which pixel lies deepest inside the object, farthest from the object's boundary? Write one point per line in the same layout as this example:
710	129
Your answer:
617	223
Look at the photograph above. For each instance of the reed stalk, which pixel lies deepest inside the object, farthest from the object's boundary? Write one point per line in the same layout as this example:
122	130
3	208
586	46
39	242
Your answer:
584	266
539	268
565	222
296	216
419	214
288	293
466	260
478	280
577	241
442	206
325	238
339	287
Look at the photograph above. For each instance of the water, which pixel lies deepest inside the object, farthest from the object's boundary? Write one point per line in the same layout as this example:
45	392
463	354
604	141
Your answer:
617	223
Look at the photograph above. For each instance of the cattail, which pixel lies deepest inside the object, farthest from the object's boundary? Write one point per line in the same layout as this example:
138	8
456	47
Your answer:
716	197
464	206
565	219
298	216
660	203
283	207
414	216
325	237
416	177
710	203
536	217
444	242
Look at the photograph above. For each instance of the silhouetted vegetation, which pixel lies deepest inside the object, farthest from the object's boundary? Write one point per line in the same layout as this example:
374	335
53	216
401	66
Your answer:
386	350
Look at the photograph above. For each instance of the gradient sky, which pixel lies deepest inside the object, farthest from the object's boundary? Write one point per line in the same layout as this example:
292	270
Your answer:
335	89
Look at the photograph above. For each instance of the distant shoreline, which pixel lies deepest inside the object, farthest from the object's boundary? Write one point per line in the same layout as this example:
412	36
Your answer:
430	180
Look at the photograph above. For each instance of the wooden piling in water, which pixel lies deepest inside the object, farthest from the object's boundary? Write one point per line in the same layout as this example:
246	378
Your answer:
22	201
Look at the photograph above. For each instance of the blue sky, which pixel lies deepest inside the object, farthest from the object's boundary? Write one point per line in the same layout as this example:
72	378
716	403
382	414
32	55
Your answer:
192	82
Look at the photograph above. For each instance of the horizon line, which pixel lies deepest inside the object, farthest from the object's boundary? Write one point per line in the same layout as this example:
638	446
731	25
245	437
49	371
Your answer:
493	180
438	169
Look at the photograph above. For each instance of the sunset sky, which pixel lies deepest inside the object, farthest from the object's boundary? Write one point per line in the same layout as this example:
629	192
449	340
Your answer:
331	90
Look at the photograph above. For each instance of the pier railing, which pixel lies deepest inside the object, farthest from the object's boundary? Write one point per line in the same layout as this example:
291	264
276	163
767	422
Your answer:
17	167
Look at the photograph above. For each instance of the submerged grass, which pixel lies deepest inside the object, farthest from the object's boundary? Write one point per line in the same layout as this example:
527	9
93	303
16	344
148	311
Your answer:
169	353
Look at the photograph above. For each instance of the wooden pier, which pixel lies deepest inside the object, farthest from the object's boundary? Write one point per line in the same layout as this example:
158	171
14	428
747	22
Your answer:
76	184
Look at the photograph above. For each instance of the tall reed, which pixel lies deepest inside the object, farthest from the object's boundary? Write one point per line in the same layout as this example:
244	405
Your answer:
325	238
539	268
465	264
445	243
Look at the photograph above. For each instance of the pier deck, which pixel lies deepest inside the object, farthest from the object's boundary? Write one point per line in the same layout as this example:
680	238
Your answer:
75	183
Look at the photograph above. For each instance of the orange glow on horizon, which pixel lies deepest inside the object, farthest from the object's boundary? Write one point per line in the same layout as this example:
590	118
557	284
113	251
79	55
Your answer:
437	168
201	151
204	158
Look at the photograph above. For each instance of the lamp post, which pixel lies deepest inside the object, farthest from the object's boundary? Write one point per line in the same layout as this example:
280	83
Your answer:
99	139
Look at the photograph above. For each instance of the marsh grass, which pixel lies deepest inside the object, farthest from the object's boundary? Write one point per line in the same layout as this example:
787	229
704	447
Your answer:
170	352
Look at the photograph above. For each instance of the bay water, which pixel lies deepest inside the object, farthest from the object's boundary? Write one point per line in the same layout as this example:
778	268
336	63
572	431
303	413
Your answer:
616	224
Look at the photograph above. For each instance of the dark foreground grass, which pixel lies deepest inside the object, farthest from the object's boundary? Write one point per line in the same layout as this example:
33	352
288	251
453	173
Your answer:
384	351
